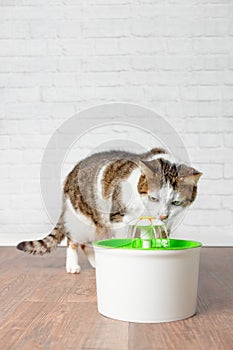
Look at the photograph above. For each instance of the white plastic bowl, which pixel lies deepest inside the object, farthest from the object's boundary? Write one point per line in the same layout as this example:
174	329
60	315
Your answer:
147	285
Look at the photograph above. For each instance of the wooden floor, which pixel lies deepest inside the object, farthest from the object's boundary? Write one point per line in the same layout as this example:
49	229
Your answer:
43	307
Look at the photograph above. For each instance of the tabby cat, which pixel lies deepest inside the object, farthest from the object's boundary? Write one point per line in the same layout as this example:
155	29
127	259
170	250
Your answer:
105	191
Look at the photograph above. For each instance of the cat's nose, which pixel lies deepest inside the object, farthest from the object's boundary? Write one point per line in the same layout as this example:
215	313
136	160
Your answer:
163	217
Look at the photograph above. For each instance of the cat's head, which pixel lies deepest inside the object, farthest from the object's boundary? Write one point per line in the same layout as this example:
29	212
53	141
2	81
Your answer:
167	188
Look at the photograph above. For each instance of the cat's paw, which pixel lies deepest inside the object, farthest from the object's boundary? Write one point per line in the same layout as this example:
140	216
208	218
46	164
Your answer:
73	268
72	265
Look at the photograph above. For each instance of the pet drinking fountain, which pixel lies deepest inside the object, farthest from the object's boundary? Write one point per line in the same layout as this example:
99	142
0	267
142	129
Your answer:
150	278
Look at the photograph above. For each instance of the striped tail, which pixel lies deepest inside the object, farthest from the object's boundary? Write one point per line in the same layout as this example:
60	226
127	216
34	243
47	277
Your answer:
45	245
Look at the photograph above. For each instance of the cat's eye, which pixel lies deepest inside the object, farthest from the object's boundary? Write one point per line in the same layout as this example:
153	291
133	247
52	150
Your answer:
153	199
177	203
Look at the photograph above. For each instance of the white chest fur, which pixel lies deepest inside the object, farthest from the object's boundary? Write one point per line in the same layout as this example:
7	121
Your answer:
131	198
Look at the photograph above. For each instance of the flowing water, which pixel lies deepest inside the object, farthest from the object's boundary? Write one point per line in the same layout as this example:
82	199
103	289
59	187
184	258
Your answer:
148	232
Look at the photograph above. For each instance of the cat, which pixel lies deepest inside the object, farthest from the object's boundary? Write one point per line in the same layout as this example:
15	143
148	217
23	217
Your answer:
107	190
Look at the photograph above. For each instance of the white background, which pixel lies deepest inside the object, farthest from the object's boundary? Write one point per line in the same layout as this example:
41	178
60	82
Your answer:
59	57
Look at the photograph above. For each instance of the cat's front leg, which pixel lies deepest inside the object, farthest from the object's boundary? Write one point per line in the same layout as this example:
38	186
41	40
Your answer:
72	265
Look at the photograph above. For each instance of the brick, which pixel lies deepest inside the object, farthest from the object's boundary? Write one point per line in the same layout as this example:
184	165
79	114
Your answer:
30	201
5	174
208	201
56	29
29	141
8	187
20	94
217	187
43	29
48	126
211	45
190	108
27	64
63	79
24	110
227	202
227	108
205	78
197	63
177	45
4	141
141	45
174	27
23	47
210	108
31	12
60	94
101	28
112	93
169	78
211	155
212	9
106	64
210	140
139	78
190	140
208	125
36	216
212	171
25	171
12	29
228	77
216	62
31	187
175	109
118	9
28	127
71	47
11	156
8	127
69	29
72	12
70	64
228	170
144	27
58	47
144	63
103	47
178	63
227	92
209	217
32	156
216	27
28	2
162	93
210	236
102	79
228	140
197	27
25	80
189	93
209	93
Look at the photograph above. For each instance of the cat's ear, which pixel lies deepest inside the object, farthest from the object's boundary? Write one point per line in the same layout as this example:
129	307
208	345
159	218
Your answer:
148	169
190	176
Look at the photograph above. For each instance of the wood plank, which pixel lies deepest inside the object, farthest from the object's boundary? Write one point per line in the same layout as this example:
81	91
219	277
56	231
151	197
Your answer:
211	327
50	309
43	307
39	325
20	275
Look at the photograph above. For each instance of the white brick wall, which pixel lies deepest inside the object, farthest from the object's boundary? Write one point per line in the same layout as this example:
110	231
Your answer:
60	56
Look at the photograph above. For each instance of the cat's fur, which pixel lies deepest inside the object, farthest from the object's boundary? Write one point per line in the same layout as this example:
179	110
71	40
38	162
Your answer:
105	191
